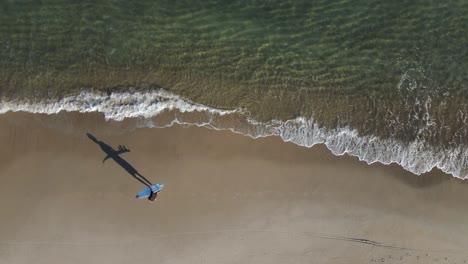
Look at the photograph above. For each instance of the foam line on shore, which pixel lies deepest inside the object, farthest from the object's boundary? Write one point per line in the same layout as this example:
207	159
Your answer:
417	157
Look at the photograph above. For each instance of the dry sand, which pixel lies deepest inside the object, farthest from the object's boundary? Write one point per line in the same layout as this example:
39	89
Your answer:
228	199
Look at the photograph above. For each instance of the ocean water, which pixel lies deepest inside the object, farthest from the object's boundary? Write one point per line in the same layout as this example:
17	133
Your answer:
386	81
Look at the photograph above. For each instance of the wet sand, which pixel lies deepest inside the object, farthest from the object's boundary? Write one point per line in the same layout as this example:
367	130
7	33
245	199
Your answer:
228	199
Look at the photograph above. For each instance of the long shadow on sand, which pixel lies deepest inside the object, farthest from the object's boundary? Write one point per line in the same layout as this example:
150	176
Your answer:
115	155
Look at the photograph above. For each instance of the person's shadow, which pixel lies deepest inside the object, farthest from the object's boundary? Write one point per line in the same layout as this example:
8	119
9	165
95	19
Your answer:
115	155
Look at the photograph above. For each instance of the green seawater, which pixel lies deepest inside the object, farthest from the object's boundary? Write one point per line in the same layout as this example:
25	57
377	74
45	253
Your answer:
394	69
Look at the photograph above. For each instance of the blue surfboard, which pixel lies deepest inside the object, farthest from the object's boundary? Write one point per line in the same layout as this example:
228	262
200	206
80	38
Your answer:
146	191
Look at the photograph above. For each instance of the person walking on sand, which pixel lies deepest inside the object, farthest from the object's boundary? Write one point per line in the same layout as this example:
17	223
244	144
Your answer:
115	155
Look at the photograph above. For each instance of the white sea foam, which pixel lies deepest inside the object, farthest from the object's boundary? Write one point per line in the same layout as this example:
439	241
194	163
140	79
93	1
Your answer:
417	156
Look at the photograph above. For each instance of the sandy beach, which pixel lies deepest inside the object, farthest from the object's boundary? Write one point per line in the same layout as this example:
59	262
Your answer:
228	199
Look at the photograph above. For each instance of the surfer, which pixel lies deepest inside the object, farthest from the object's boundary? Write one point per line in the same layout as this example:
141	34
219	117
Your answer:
153	196
115	155
150	193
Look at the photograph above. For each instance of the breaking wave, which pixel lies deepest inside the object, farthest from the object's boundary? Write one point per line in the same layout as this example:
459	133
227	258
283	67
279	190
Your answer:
163	109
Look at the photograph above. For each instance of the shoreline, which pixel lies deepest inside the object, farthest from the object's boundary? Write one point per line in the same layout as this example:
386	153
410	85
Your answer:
162	108
227	198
